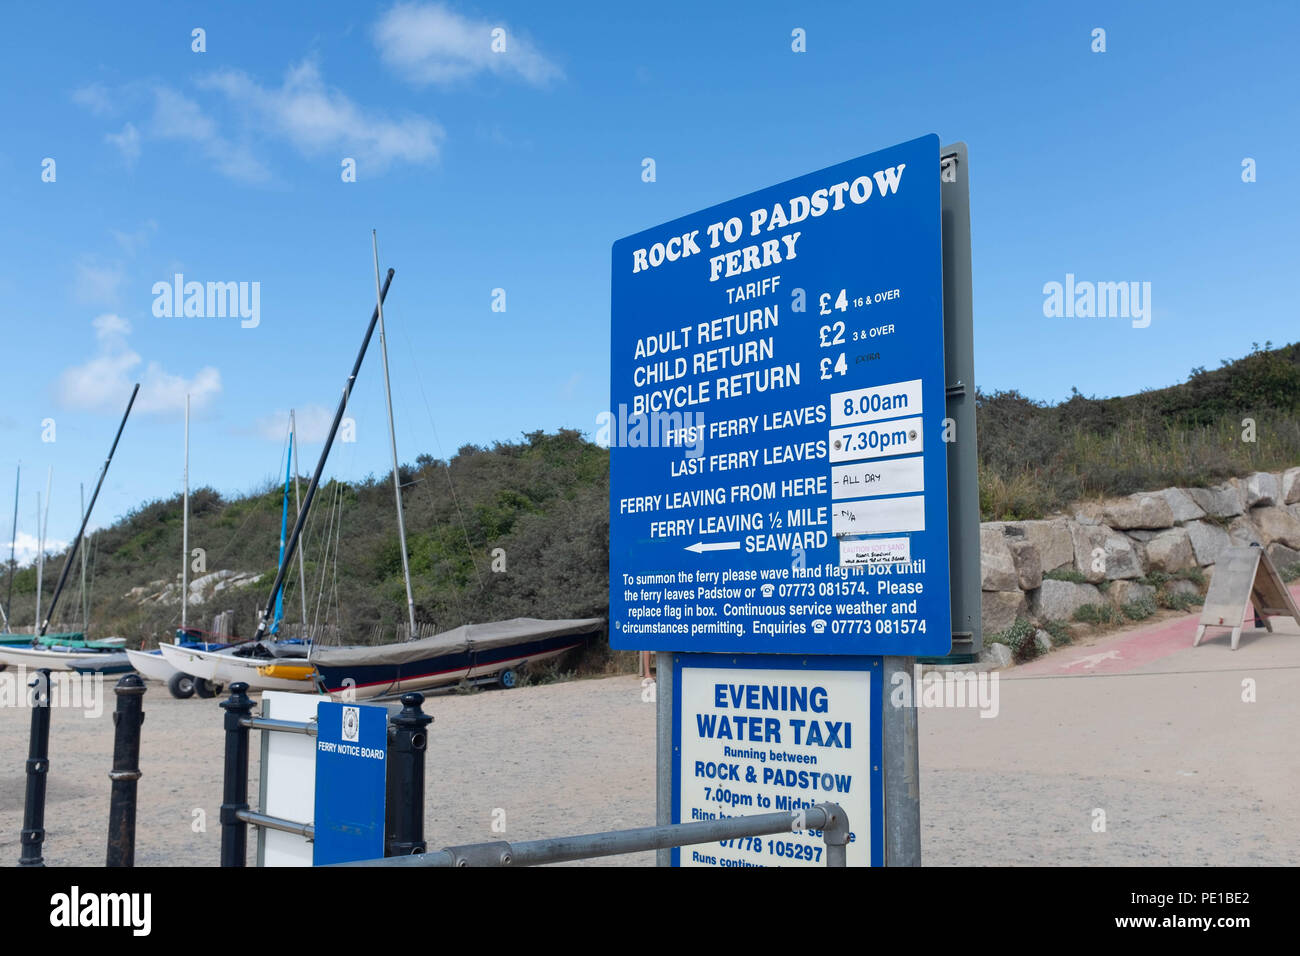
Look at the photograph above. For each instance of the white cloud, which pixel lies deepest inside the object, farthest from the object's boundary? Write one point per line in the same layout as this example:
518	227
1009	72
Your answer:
179	118
302	111
311	421
176	116
132	242
109	326
103	382
431	43
96	98
26	547
163	391
96	282
127	142
315	118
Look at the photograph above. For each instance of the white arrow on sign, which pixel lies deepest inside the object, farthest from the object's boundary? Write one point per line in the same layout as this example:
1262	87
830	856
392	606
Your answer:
699	546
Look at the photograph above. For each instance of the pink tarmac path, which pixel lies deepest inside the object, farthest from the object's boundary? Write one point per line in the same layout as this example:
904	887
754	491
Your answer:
1139	648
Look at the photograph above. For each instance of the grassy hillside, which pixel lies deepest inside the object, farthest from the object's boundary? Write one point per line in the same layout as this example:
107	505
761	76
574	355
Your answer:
544	502
1035	458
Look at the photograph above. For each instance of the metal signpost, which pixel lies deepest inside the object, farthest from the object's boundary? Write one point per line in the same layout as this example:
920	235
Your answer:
963	453
779	486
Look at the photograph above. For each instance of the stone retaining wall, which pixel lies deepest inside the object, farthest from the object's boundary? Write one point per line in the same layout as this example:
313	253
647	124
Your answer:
1126	539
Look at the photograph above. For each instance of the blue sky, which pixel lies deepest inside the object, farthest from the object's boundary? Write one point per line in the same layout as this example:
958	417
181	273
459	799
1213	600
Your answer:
518	170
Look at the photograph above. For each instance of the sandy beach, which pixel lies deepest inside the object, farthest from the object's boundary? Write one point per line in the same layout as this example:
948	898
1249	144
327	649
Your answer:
1185	770
558	759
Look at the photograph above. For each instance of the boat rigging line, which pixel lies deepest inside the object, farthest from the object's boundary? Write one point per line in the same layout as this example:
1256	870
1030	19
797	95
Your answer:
42	525
392	438
336	508
297	504
460	515
185	524
13	548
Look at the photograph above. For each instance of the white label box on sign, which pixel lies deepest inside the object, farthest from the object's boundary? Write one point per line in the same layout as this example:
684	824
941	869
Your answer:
901	436
891	476
874	404
878	516
875	551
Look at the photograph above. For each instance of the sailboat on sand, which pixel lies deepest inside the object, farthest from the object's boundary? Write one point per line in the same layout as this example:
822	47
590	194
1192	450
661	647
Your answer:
71	651
151	664
208	667
472	652
492	651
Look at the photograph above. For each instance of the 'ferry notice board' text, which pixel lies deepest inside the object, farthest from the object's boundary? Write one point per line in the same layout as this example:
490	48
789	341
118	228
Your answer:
778	467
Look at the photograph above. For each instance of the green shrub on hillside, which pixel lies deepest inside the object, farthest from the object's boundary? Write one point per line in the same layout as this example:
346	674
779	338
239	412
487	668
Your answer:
1035	458
544	501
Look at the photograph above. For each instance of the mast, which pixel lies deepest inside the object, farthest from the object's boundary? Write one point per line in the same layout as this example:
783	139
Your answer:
392	442
13	546
85	605
284	526
320	464
40	543
42	524
185	525
76	544
297	504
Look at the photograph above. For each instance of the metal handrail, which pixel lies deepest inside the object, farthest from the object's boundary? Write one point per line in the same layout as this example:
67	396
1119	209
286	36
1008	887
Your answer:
307	727
829	818
268	822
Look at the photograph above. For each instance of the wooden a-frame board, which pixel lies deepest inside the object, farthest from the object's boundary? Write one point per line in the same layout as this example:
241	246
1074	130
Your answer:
1241	576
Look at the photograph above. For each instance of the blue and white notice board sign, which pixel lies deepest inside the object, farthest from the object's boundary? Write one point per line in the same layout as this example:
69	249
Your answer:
351	775
762	733
778	463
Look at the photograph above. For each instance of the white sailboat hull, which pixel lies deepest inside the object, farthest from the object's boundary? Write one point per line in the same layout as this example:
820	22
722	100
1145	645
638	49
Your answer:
151	666
217	667
55	659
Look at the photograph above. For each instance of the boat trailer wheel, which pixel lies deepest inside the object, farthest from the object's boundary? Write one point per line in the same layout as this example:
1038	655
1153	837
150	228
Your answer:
181	686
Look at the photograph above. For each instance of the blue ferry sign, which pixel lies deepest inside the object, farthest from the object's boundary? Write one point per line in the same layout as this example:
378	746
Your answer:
351	772
777	430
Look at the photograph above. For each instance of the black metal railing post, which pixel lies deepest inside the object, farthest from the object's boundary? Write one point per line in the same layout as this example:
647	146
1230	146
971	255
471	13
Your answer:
404	816
127	718
38	767
234	832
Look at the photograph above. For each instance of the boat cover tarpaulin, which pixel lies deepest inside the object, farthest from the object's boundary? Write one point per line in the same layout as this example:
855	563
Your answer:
468	638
